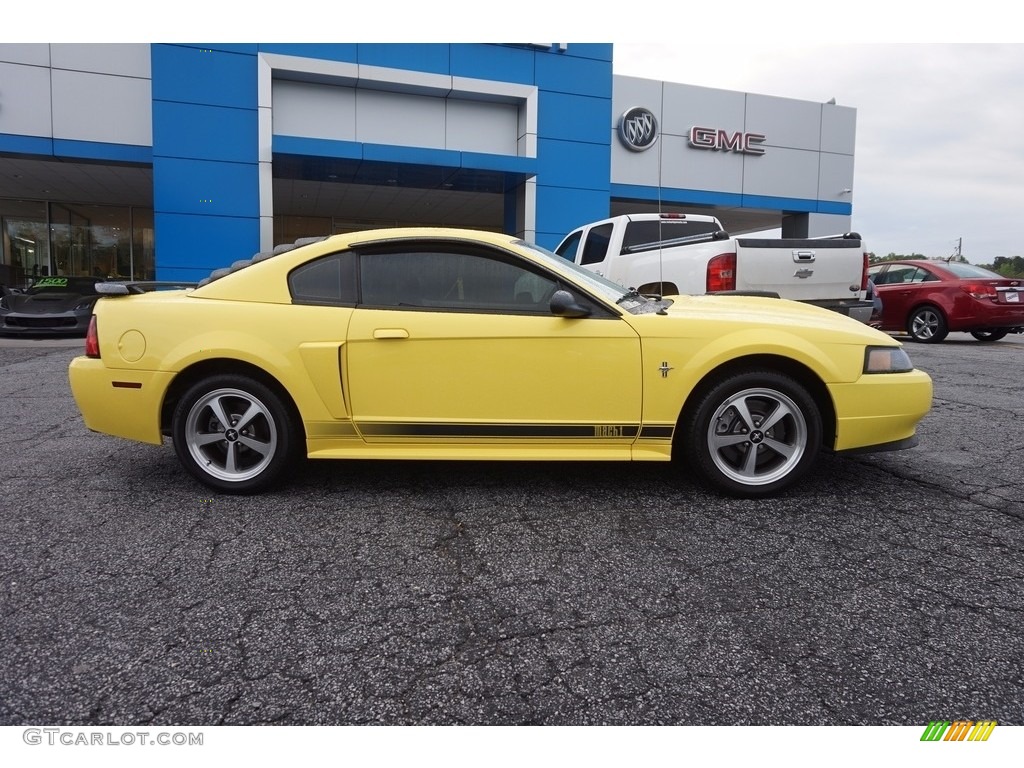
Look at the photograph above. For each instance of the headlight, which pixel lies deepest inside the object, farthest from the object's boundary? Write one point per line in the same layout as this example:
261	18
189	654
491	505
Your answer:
887	360
3	302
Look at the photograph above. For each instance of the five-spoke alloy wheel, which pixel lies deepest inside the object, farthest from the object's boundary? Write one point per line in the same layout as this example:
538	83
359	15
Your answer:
233	433
927	324
753	434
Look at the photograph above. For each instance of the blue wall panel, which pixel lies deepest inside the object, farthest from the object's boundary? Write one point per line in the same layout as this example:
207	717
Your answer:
203	76
412	155
602	51
692	196
570	74
203	132
326	51
29	145
193	246
421	57
573	164
575	118
207	187
301	145
205	158
559	211
505	63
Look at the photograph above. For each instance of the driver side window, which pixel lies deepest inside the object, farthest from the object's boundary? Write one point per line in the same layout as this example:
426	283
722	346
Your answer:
453	280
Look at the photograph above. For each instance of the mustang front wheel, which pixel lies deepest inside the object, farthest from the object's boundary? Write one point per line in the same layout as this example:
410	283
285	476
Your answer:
233	434
753	434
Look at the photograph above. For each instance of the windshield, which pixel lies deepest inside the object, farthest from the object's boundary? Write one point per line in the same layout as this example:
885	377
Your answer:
611	291
61	284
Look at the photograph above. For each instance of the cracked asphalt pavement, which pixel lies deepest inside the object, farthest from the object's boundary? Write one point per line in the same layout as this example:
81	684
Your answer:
888	589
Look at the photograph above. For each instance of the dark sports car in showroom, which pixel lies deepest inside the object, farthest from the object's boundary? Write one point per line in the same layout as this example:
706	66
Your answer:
51	305
928	299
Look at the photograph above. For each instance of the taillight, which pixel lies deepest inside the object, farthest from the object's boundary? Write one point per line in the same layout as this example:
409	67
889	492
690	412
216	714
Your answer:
980	290
722	273
92	340
864	272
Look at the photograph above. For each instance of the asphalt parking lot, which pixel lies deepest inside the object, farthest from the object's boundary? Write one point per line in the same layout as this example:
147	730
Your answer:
886	590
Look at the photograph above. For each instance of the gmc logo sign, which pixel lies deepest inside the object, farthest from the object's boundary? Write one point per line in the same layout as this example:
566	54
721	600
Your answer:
716	138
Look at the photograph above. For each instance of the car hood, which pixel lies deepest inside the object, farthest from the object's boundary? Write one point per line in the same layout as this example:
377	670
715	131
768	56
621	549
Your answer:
45	303
806	320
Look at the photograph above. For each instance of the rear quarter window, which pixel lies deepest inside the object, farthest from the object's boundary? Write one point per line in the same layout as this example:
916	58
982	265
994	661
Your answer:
328	280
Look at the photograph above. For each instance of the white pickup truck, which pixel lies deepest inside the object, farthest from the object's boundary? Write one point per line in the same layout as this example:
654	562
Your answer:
674	253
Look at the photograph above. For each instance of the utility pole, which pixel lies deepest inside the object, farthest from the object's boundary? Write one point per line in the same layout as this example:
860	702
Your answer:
958	253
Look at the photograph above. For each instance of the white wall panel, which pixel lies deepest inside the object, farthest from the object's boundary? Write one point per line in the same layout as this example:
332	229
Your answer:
689	105
405	120
24	100
103	108
785	122
37	54
782	173
127	59
480	126
838	129
314	111
834	176
687	168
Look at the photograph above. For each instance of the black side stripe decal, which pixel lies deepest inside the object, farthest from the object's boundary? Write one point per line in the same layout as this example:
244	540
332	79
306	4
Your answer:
511	431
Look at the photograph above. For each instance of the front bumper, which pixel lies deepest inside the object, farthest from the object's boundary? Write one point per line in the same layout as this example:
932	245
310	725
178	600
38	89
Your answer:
880	409
57	323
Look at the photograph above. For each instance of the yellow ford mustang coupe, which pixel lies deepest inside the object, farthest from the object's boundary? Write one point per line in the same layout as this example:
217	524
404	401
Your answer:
457	344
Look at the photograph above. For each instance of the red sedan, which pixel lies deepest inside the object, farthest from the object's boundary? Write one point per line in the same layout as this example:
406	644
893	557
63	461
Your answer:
928	299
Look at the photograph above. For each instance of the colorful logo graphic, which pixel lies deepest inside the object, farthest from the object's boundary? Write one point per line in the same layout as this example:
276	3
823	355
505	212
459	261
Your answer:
958	730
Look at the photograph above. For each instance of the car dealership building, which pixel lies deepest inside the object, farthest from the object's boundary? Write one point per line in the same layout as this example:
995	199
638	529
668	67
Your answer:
166	161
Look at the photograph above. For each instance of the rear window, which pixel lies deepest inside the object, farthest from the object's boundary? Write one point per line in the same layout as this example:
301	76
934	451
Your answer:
647	235
968	271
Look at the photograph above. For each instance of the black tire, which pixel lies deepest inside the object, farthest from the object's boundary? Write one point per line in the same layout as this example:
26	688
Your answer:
927	325
725	425
991	335
250	452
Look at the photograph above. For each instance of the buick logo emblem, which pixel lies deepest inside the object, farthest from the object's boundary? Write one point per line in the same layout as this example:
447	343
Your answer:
638	129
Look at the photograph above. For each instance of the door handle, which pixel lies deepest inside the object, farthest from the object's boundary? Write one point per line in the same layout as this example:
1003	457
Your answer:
390	333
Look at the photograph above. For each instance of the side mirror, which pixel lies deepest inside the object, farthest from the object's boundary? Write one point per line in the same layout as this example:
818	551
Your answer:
564	304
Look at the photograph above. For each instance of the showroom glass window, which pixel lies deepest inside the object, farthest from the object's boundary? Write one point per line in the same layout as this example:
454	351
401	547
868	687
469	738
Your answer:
58	238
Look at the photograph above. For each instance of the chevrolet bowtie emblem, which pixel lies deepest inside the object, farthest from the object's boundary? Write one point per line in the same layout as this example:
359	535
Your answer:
665	368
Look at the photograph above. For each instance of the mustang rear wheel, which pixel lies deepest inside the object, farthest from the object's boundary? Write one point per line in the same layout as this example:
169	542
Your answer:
753	434
233	433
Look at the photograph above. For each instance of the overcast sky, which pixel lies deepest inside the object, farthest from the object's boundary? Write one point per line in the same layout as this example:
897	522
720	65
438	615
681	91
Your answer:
940	129
939	93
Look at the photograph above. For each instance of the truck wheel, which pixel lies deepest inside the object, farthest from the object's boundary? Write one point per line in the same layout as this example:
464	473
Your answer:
233	433
927	325
752	434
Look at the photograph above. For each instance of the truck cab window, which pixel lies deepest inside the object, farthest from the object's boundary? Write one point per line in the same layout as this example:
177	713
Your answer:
596	246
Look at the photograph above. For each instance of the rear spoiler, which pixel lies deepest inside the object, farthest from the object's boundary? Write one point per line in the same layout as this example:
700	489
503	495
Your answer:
139	286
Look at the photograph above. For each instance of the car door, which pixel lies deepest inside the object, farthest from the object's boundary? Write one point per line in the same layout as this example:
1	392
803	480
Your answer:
902	287
457	344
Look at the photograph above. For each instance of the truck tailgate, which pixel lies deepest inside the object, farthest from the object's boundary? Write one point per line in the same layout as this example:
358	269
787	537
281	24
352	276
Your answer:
805	270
